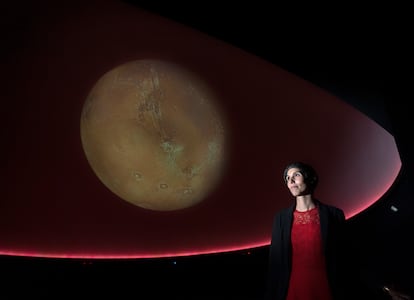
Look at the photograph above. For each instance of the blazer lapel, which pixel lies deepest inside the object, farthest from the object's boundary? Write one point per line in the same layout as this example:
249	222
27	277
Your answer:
323	217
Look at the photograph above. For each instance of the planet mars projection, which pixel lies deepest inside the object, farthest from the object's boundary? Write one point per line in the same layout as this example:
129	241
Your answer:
153	136
128	135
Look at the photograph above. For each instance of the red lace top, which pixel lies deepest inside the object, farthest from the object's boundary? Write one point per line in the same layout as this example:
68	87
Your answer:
308	280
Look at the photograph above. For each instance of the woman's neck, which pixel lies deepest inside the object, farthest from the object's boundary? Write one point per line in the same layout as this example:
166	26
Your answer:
305	203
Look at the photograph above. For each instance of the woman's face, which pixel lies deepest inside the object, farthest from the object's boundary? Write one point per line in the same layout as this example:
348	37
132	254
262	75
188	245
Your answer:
296	182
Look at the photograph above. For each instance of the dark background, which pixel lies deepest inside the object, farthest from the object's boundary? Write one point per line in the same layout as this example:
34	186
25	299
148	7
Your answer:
345	52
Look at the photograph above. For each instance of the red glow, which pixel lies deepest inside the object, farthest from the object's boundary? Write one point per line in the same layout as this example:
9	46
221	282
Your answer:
53	205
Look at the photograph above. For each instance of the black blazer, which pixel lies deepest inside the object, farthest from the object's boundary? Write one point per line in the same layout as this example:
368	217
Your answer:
332	220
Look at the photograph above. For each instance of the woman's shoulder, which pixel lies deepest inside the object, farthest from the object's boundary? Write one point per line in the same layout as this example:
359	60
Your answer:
333	211
284	212
329	206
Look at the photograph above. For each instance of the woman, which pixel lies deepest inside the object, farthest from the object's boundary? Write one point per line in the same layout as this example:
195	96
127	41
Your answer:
304	254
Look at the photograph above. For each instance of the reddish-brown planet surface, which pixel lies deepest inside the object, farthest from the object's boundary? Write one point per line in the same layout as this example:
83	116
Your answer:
153	136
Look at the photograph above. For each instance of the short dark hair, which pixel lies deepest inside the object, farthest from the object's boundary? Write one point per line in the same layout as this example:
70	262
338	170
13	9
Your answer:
309	174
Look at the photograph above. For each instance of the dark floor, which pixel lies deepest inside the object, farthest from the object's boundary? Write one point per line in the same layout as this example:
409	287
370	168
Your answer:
221	276
213	277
